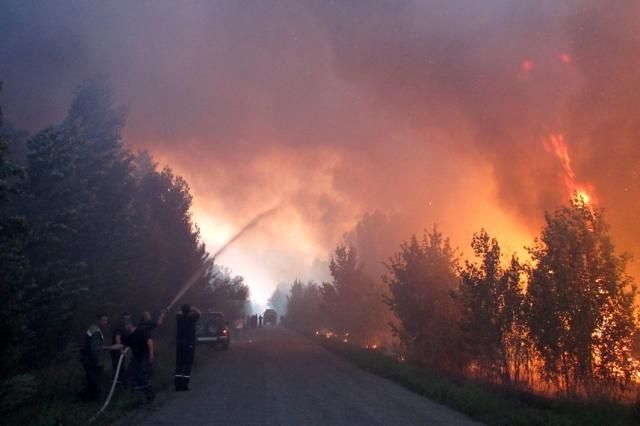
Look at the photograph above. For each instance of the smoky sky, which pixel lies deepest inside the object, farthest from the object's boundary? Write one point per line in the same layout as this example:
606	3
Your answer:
433	110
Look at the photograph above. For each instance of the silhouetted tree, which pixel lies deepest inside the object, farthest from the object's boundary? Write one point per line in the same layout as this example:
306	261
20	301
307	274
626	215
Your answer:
278	301
582	315
14	265
421	277
352	301
492	316
223	292
303	307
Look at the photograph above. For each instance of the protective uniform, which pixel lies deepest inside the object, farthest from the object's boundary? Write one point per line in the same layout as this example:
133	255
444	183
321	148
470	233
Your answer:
185	348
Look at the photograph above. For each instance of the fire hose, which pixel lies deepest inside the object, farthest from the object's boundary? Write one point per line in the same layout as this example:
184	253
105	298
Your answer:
113	385
192	280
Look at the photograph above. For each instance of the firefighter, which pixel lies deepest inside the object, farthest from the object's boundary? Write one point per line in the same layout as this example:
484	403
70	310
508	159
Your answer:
142	350
186	321
118	337
91	356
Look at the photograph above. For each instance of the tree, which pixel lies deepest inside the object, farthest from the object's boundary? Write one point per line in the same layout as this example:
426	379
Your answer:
352	301
108	230
492	317
79	194
303	307
14	264
582	315
421	277
223	292
278	300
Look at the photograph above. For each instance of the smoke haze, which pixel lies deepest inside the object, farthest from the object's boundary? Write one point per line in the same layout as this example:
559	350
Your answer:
432	111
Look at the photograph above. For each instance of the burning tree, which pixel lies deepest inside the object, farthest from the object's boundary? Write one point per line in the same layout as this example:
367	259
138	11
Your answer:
582	315
492	314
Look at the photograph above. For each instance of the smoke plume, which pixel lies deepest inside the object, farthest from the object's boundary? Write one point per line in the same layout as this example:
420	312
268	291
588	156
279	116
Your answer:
434	111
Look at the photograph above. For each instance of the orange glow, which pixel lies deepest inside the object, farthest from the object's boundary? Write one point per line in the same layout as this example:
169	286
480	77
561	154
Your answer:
556	145
584	196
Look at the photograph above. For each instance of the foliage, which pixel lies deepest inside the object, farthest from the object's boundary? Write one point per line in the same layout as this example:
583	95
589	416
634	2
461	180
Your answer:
582	315
14	263
489	405
303	307
421	277
492	314
278	301
223	292
352	302
91	228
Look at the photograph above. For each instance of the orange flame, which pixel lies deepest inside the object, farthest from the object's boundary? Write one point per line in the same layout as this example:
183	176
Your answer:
556	145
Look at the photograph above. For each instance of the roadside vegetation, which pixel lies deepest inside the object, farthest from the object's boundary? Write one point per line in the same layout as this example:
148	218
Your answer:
492	405
563	324
57	403
88	227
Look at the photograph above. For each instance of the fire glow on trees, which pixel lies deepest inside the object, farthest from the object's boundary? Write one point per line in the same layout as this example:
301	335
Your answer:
428	108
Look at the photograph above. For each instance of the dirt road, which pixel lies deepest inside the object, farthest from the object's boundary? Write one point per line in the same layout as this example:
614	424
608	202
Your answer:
277	377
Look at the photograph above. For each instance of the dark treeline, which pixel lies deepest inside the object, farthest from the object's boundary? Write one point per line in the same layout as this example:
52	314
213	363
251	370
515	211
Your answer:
563	321
87	226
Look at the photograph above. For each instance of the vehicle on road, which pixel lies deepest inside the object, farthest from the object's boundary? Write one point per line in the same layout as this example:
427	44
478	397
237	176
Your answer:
270	317
212	328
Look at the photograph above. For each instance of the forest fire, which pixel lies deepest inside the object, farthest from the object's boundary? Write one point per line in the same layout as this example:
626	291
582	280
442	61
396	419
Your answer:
459	179
556	145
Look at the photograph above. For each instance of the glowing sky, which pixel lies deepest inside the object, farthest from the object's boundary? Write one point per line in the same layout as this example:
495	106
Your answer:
438	111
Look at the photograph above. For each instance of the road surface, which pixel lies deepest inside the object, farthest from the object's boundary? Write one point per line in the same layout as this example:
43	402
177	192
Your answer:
277	377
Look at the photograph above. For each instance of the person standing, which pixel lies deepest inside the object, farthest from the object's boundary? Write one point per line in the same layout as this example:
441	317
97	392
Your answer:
142	351
91	356
186	321
118	337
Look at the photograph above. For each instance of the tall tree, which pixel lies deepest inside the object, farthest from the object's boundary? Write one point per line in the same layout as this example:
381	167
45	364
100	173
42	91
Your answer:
304	307
14	264
492	311
582	302
79	196
278	300
352	301
167	248
421	277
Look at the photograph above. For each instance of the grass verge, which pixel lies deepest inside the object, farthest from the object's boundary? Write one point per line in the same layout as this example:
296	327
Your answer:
483	403
57	403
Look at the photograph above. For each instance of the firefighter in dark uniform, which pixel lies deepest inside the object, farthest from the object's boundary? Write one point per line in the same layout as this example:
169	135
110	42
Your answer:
142	350
186	321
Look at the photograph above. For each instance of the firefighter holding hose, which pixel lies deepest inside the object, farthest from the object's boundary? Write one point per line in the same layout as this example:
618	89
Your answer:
186	321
